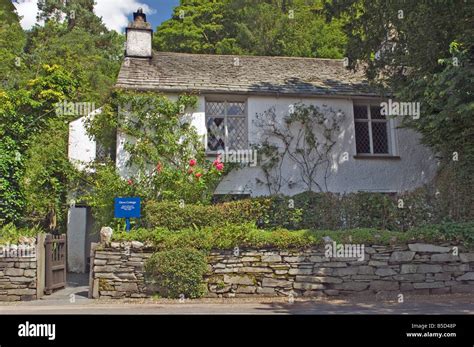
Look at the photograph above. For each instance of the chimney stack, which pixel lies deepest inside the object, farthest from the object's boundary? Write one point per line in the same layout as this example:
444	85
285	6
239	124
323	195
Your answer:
139	36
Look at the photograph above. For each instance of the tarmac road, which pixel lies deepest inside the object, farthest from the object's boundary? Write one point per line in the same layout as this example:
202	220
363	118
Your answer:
443	304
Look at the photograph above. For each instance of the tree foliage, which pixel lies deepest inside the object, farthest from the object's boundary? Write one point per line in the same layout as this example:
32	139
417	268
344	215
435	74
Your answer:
253	27
423	52
72	57
167	159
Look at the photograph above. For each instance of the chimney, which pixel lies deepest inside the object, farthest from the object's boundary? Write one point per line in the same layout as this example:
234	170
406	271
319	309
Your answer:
139	36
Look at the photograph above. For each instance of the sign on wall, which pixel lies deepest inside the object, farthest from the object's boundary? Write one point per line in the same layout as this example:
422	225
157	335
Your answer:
127	208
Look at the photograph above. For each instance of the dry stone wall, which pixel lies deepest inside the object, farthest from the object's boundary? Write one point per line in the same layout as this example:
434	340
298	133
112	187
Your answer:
417	268
17	274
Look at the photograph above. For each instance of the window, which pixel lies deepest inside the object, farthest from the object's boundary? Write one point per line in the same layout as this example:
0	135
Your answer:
226	124
373	131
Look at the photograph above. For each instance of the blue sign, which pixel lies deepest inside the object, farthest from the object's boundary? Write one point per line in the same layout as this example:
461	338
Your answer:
127	208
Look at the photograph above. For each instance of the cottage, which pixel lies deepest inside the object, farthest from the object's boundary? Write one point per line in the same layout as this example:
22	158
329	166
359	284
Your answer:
370	152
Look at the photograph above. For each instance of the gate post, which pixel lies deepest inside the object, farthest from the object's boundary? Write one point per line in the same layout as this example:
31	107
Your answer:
40	265
48	247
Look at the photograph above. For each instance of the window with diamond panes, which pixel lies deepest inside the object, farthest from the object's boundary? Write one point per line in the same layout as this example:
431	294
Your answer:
371	130
226	125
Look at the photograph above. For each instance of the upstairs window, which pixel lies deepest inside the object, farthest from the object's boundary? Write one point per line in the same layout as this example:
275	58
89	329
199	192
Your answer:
373	131
226	124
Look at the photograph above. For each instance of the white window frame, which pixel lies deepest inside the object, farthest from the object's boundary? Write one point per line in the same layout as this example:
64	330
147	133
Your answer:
226	101
391	133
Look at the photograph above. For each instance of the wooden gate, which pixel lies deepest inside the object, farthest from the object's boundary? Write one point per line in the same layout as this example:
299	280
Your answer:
55	266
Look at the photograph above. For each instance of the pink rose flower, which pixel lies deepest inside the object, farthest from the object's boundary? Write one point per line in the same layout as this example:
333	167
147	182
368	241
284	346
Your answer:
192	162
220	166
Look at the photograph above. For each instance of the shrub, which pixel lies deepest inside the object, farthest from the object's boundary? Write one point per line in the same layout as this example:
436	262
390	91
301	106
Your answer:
281	212
178	272
174	216
106	185
11	234
368	210
309	210
249	236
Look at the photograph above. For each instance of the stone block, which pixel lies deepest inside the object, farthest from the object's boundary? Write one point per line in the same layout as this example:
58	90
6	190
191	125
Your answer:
384	272
244	280
246	289
466	257
352	286
428	248
366	270
444	258
271	282
318	279
428	285
14	272
297	271
271	258
384	285
353	270
308	286
468	276
399	257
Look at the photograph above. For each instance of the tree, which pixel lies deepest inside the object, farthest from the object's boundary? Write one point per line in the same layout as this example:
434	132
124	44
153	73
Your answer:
45	183
75	60
257	27
93	55
421	51
24	114
12	42
161	142
167	158
78	14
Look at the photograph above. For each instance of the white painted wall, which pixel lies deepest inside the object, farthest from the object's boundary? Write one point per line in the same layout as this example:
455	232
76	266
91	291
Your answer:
82	149
415	167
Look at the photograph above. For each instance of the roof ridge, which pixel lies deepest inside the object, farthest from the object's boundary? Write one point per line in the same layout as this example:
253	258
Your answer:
249	56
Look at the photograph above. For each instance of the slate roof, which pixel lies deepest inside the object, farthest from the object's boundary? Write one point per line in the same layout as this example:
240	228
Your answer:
202	73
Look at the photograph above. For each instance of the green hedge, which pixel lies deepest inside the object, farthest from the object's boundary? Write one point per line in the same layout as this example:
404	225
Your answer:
177	272
249	236
399	212
173	216
368	210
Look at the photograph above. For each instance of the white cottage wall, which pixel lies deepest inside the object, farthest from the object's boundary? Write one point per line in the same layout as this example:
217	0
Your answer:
415	166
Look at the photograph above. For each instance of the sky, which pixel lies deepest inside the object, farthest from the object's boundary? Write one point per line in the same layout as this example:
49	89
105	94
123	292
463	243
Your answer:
115	13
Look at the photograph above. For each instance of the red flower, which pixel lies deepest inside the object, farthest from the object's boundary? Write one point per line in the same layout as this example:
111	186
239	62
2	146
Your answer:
158	167
129	181
192	162
198	175
220	166
216	162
